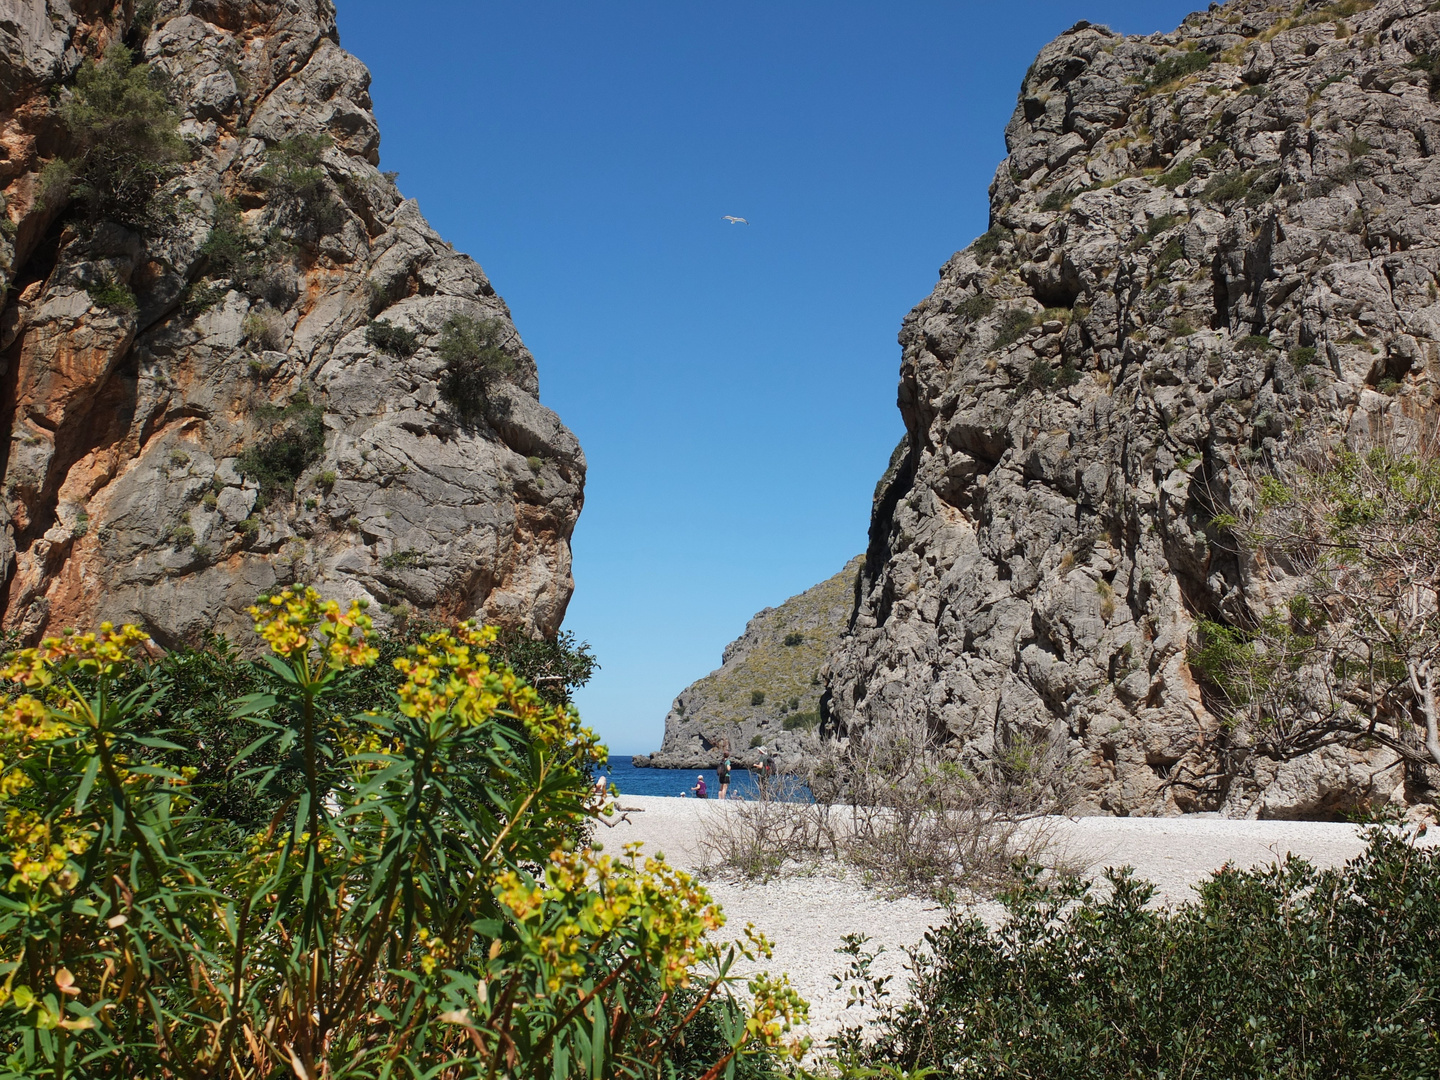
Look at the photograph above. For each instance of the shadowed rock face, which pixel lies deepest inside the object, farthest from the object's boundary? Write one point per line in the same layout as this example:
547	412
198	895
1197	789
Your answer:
1191	265
766	691
126	494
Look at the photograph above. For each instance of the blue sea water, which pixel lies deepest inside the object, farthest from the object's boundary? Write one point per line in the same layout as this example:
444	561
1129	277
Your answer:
674	782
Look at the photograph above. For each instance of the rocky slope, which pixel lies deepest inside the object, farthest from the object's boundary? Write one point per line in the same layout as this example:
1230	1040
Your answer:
1205	246
766	691
143	360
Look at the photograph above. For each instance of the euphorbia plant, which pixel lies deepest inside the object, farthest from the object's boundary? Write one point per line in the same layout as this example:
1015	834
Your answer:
419	908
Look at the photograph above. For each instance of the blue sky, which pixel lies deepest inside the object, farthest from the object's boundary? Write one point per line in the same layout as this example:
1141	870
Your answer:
733	386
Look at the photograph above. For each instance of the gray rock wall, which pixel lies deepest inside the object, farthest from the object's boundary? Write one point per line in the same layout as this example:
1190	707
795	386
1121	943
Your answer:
125	497
1205	245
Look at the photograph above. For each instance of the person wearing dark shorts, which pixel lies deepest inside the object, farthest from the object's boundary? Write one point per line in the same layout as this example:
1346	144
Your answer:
723	774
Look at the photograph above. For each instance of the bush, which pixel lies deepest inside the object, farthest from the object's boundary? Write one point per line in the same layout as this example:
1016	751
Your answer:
988	244
1227	187
976	307
890	806
757	697
296	442
391	339
1178	66
1279	972
127	138
1057	200
1013	326
296	179
1302	356
427	856
1178	175
1172	253
1041	375
112	295
791	640
801	721
258	266
1163	223
264	329
1429	63
474	362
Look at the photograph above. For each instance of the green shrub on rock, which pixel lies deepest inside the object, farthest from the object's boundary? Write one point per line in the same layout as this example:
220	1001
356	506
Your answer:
391	339
474	361
127	137
296	442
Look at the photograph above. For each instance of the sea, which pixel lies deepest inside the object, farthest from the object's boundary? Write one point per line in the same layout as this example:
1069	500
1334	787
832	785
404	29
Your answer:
675	782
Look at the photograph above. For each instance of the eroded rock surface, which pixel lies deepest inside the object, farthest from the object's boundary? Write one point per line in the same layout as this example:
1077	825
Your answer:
766	692
127	493
1205	246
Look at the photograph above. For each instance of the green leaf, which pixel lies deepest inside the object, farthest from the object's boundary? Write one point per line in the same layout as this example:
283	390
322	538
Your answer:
87	781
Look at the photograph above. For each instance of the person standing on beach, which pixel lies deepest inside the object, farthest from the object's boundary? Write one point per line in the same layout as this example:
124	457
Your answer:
723	775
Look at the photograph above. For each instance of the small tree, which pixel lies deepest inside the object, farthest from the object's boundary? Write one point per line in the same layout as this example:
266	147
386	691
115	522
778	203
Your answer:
126	137
474	361
1353	651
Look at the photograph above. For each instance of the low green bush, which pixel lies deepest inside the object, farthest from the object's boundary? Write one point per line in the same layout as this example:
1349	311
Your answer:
1255	343
801	721
1013	326
1178	65
391	339
757	697
295	176
988	244
296	441
1281	972
793	639
112	295
976	307
1302	356
1178	175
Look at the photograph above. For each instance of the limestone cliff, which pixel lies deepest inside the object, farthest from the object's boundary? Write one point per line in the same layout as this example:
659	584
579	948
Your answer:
766	691
198	405
1202	244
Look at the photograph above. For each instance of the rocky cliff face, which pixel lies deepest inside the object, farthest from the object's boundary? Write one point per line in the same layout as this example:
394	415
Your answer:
1205	245
766	691
142	361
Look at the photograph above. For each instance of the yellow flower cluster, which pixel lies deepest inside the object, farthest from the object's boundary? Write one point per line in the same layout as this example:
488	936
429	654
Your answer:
775	1008
664	913
41	850
449	677
434	952
97	654
294	620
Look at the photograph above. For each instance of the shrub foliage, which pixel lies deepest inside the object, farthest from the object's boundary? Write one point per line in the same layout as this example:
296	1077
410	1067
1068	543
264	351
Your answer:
126	140
416	907
296	442
1280	972
1352	656
474	361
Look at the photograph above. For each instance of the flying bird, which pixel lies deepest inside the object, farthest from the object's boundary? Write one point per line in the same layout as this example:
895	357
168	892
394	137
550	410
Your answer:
736	220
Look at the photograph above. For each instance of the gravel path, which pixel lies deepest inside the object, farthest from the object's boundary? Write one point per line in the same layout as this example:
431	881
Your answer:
806	916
